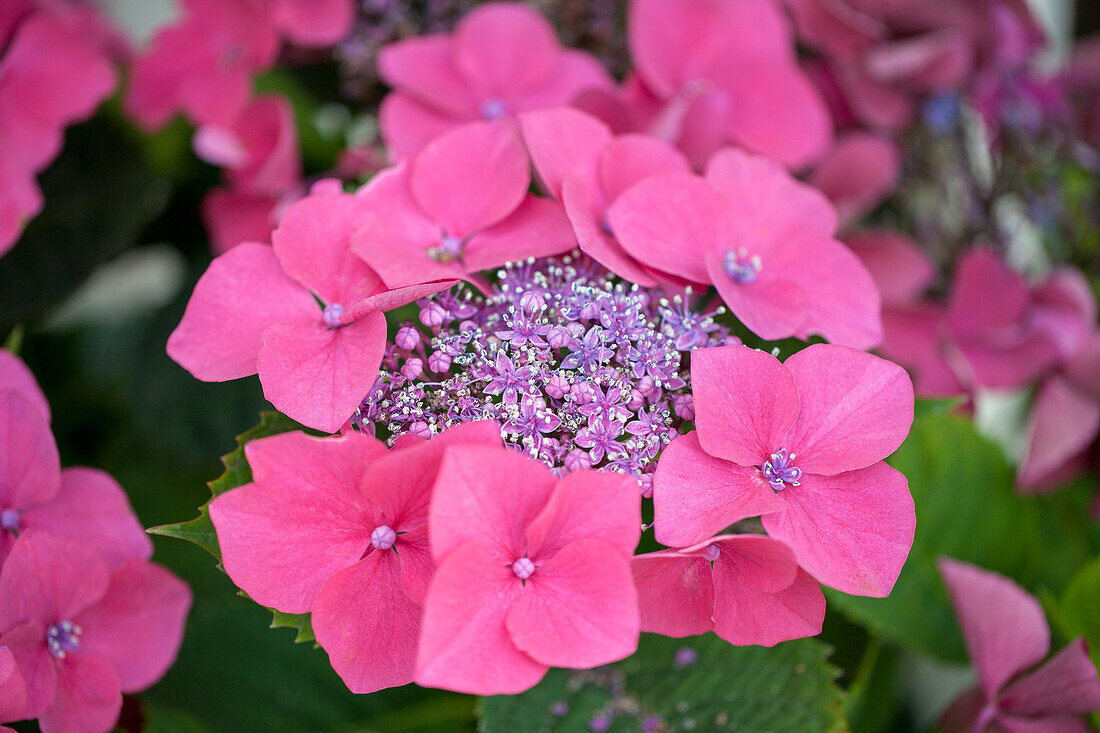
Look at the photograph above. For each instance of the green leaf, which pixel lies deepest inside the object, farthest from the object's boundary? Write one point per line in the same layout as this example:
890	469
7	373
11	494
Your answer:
300	622
1078	613
790	687
968	508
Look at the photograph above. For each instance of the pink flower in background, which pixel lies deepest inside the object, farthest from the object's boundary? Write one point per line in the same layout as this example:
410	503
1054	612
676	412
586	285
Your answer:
313	23
15	375
349	543
858	172
1006	635
81	633
763	239
748	589
501	59
532	572
255	311
582	165
725	72
13	690
802	444
459	206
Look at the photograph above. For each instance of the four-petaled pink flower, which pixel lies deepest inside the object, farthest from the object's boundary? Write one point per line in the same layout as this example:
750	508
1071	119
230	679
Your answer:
586	168
748	589
763	239
81	633
338	527
459	206
502	58
255	310
532	572
802	444
1006	634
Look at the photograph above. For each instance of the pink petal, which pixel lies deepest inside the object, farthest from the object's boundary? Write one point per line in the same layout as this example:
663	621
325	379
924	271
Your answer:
313	244
1084	368
318	376
272	164
390	299
417	565
561	141
470	178
851	531
30	469
1066	684
93	508
487	495
13	691
743	616
704	127
48	578
772	307
579	609
927	62
420	68
537	228
407	125
1064	309
1003	626
503	48
631	158
15	375
900	268
138	626
315	23
588	505
856	408
835	26
670	222
587	219
754	562
744	425
242	292
219	146
576	73
912	338
88	697
696	495
283	536
232	217
858	173
985	293
368	624
464	643
1007	364
675	593
37	667
1063	422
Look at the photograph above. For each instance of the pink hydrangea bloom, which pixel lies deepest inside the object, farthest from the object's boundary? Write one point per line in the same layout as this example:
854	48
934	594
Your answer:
748	589
13	690
255	311
459	206
725	72
35	494
802	444
83	633
763	239
349	543
582	165
502	58
532	572
1006	634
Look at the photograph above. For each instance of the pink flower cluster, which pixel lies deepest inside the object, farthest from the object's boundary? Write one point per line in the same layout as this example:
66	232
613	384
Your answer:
84	615
56	66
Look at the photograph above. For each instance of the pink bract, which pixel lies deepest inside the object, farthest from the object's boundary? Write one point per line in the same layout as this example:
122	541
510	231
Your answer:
13	690
800	443
259	151
532	572
81	633
1006	634
859	172
255	310
763	239
501	59
748	589
458	206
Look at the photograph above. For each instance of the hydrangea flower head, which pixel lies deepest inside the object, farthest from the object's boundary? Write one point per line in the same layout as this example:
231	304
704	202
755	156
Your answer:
503	58
832	413
532	572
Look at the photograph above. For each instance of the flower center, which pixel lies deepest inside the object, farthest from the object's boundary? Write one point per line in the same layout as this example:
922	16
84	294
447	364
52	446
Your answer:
494	108
524	568
383	537
712	552
332	314
741	267
9	520
63	638
449	249
779	472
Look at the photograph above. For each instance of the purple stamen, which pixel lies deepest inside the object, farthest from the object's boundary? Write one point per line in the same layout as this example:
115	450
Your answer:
712	552
332	314
383	537
63	638
741	267
524	568
449	249
494	108
9	520
779	472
